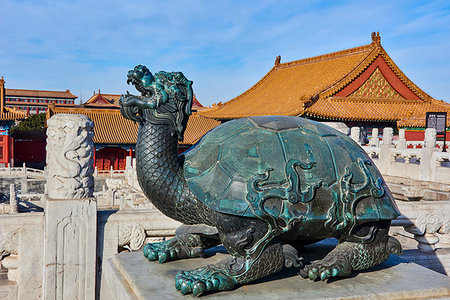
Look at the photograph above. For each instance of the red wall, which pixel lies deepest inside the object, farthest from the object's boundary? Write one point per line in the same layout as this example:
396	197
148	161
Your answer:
6	149
419	135
29	151
110	156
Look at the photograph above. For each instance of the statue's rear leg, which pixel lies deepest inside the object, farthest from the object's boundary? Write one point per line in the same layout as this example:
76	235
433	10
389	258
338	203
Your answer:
349	256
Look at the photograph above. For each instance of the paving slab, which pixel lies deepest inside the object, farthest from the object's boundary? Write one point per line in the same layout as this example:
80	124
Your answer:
131	276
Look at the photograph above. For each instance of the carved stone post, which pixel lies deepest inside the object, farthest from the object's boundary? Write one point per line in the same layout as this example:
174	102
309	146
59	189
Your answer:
426	164
385	158
355	134
425	228
13	207
430	138
401	139
374	141
388	136
70	209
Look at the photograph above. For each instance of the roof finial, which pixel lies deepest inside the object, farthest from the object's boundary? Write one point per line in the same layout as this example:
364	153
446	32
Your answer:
277	60
376	37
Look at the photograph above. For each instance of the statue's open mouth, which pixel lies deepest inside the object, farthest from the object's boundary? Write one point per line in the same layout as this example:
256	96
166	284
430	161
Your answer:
166	98
138	84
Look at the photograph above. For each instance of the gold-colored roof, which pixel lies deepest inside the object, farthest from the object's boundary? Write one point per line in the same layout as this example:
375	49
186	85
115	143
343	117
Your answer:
409	113
39	94
417	118
12	114
110	127
287	86
103	100
311	86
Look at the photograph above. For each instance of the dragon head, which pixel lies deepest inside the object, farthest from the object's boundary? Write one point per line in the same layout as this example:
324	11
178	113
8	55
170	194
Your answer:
166	99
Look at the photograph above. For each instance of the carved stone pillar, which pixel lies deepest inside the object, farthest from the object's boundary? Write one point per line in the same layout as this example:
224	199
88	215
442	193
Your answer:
70	209
374	141
386	158
355	134
425	228
430	138
401	139
13	206
388	136
426	162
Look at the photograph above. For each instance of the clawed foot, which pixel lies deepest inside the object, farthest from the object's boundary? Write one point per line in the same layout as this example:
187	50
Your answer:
323	270
175	248
209	278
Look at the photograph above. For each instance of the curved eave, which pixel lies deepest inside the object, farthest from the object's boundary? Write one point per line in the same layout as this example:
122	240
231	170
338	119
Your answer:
11	114
349	119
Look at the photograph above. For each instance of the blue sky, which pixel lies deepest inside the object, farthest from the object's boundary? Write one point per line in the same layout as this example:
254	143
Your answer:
223	46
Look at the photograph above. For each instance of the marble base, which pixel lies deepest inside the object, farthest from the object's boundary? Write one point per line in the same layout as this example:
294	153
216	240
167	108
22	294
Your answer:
131	276
8	290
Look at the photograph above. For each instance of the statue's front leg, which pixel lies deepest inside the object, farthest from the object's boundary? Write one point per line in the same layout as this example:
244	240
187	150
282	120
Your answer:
253	255
234	270
181	246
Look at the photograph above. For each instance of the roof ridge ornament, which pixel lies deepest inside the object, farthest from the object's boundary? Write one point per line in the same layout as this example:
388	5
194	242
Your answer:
376	38
277	60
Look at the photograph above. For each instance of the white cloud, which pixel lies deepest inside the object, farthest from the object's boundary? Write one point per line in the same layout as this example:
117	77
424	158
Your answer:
223	46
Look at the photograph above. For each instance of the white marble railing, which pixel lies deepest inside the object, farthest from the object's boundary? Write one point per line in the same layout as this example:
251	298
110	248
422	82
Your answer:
427	163
37	248
9	172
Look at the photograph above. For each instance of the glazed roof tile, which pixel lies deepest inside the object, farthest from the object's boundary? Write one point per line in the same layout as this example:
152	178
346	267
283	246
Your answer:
375	109
39	94
112	128
103	100
287	86
12	114
417	119
309	87
112	101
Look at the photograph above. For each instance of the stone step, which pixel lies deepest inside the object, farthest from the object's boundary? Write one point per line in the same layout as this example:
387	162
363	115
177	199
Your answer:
131	276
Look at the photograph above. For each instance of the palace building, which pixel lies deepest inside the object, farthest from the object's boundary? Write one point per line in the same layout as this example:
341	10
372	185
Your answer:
8	116
360	86
36	101
115	137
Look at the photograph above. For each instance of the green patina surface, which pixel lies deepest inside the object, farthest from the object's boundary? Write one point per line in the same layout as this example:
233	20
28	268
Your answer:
283	170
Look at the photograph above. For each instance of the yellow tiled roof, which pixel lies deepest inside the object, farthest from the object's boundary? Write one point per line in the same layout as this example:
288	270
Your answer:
418	117
197	127
12	114
375	109
287	86
309	86
113	100
39	94
112	128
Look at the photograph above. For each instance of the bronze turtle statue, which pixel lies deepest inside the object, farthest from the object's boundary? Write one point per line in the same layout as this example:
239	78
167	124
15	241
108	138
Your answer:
255	185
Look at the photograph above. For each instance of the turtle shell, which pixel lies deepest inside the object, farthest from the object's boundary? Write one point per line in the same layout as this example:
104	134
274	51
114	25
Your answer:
287	168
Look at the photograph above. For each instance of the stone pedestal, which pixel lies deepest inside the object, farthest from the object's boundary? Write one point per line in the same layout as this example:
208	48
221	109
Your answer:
131	276
70	209
8	290
70	248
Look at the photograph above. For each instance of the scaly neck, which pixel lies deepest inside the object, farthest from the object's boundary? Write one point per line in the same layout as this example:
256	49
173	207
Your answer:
160	174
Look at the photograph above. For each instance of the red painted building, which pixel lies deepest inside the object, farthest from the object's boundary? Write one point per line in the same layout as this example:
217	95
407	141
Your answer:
8	116
37	101
115	136
360	86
